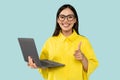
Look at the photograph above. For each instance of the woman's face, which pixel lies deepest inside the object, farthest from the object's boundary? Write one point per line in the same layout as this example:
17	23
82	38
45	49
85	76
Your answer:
66	19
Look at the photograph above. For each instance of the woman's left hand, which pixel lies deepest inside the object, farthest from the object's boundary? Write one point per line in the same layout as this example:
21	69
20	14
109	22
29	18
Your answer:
80	56
78	53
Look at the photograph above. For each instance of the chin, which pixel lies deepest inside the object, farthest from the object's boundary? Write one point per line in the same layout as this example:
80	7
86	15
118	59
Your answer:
66	30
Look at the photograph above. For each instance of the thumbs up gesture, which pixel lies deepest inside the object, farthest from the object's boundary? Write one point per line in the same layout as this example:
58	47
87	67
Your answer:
78	53
80	56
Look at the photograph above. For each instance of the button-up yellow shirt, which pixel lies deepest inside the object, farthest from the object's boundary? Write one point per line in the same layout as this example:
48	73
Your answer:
61	49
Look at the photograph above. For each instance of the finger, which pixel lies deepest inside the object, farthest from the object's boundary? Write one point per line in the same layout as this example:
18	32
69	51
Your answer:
34	65
79	45
79	57
76	52
30	60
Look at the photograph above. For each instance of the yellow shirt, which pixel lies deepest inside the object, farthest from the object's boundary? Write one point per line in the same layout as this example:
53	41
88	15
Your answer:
61	49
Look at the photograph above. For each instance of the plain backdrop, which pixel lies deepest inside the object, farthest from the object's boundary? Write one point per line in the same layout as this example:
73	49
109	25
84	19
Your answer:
99	21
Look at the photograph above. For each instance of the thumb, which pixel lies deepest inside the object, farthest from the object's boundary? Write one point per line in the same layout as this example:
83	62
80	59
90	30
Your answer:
79	45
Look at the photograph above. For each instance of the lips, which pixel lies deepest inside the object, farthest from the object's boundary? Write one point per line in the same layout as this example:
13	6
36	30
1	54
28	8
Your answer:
65	25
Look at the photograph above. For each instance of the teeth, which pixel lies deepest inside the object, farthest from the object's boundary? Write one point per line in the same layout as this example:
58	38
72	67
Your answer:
66	25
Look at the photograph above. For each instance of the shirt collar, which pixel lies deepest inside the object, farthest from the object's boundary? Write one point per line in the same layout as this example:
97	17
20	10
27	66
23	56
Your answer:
71	38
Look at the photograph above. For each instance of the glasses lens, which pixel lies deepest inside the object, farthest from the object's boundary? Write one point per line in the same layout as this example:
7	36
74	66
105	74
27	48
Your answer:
61	17
69	17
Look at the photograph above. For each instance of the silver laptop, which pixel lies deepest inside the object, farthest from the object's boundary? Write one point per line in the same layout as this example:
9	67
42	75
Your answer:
28	48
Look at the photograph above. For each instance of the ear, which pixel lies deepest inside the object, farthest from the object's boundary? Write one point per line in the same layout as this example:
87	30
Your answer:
58	21
75	20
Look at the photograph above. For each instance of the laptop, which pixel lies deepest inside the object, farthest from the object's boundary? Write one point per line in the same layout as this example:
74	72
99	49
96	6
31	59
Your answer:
28	48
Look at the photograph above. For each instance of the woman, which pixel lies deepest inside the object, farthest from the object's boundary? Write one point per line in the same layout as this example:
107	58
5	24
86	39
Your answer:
68	47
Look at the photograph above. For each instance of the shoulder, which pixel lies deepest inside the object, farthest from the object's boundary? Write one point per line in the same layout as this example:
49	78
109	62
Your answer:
85	41
51	39
82	37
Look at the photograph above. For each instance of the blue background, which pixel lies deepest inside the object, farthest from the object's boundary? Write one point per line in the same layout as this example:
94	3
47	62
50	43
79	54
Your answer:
99	21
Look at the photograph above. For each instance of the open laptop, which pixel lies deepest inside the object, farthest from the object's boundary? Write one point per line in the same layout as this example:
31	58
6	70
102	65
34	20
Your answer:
29	49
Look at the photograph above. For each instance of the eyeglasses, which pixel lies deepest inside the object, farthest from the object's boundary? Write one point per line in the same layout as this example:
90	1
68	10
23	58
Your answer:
69	17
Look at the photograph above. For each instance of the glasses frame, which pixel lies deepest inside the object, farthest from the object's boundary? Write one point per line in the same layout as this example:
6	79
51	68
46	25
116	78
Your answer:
66	16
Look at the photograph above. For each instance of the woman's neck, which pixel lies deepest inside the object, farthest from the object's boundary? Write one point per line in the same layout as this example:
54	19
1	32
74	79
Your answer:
67	33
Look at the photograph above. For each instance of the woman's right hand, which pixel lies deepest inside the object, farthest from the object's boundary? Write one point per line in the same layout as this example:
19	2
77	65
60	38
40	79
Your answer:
31	63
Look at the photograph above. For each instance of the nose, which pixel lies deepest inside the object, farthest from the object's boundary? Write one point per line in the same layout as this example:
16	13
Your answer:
65	19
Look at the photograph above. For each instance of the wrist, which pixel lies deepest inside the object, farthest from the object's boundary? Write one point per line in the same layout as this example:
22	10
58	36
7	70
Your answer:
83	58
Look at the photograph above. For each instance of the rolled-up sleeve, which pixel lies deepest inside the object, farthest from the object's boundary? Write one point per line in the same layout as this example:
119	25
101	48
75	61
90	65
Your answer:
91	57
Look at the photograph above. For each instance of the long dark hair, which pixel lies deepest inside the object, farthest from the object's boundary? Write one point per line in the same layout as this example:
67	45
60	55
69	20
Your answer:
76	25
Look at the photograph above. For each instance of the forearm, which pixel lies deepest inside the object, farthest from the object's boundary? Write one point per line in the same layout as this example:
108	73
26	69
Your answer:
85	63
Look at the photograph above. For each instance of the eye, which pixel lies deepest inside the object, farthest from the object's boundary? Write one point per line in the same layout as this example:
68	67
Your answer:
61	17
70	17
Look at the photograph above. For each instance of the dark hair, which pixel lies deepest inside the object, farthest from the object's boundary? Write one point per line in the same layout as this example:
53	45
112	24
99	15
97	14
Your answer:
76	25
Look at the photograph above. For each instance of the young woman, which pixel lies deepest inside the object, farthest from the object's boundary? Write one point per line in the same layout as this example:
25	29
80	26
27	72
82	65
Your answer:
67	46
